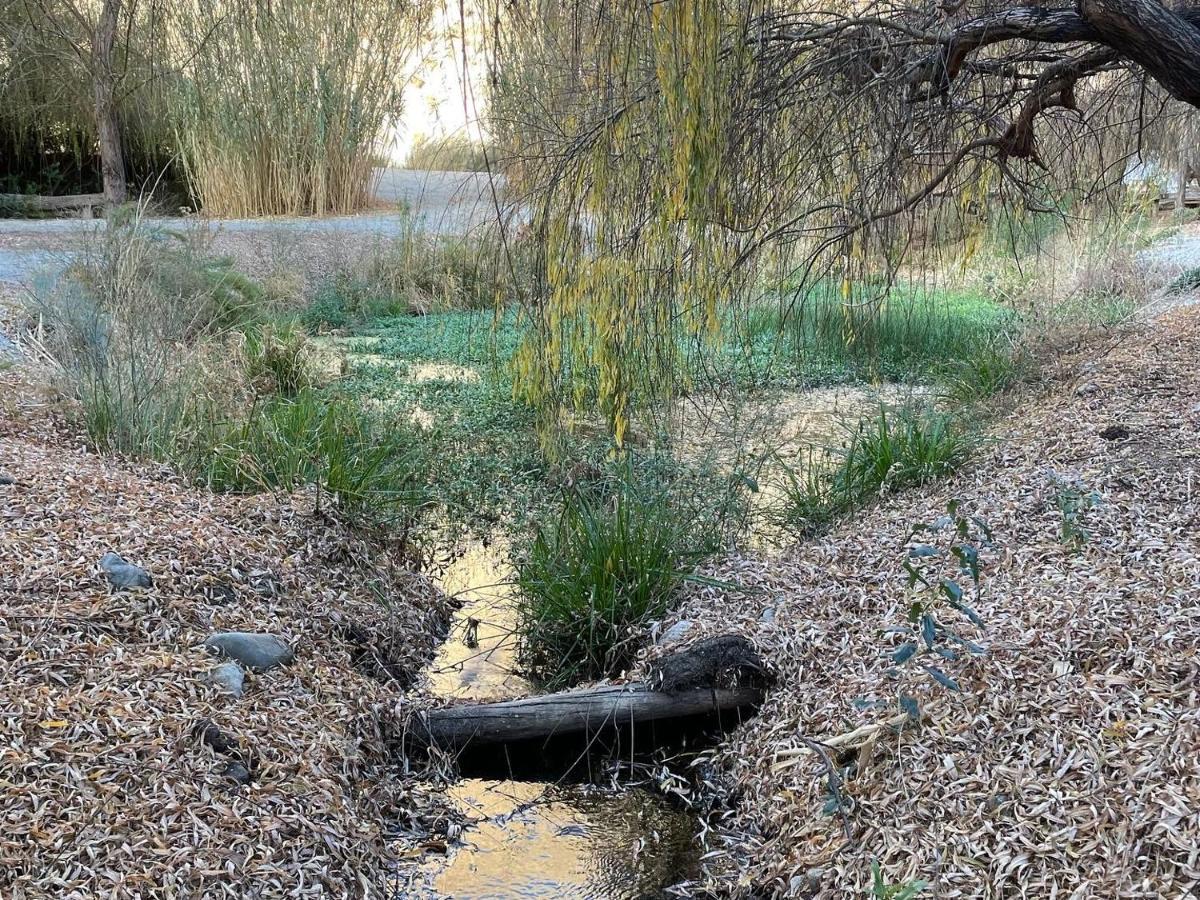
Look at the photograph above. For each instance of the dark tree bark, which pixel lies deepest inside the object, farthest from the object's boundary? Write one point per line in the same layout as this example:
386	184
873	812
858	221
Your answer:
1164	43
591	711
108	129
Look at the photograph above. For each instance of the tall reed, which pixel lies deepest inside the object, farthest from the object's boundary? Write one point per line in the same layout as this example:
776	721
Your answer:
283	107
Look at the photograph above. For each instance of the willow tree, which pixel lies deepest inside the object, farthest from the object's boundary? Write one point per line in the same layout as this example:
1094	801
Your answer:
671	149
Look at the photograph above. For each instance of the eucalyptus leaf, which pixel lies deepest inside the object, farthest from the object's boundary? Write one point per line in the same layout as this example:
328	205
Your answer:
904	653
928	630
923	550
952	590
970	614
942	678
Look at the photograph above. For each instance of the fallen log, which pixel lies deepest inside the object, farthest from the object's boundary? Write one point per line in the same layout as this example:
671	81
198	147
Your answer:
589	711
84	203
711	677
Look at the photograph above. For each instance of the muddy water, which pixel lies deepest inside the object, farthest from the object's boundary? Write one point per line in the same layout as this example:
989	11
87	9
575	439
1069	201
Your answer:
532	840
524	840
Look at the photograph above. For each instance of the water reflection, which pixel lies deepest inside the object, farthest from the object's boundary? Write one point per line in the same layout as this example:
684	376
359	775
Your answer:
540	841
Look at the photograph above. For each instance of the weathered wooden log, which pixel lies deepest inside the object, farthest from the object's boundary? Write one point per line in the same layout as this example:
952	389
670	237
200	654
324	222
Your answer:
591	711
46	203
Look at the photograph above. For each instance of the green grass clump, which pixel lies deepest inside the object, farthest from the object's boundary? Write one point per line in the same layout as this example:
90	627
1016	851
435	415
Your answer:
365	466
894	450
992	369
594	578
278	360
904	449
1186	281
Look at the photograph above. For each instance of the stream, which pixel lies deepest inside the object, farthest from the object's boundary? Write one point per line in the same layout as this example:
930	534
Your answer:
537	839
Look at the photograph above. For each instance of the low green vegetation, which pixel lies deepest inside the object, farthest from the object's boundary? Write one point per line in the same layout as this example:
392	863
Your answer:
896	449
364	464
613	560
817	339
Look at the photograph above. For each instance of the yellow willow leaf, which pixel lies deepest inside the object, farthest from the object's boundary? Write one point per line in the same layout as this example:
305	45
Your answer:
54	723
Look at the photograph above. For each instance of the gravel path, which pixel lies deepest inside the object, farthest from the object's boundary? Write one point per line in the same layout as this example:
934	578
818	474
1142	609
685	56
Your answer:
436	202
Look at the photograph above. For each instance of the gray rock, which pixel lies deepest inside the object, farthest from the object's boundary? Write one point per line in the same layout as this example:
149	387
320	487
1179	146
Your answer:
228	676
675	633
6	479
122	575
257	652
768	616
1086	390
237	770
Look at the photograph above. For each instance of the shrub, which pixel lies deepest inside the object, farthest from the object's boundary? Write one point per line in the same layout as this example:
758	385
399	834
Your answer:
422	273
124	322
364	466
593	579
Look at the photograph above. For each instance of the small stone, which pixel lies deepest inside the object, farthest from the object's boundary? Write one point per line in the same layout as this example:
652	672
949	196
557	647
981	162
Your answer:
122	575
768	616
228	676
257	652
675	633
1087	390
237	770
6	479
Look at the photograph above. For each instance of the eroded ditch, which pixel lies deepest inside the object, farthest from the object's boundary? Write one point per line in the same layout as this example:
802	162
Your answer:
527	838
539	821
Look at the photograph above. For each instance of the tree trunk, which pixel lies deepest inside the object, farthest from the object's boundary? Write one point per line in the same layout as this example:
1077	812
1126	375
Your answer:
108	129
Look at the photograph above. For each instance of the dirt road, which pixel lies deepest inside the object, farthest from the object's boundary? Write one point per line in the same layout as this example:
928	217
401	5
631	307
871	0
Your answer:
435	202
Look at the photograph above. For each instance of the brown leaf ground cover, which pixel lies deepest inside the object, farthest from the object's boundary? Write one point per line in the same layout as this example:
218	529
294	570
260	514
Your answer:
1069	763
105	788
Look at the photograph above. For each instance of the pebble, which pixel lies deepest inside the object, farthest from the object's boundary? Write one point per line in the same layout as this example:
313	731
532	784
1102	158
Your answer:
228	676
237	770
257	652
122	575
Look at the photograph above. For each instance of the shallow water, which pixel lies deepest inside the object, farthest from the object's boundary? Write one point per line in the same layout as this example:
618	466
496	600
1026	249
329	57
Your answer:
478	660
534	840
525	840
